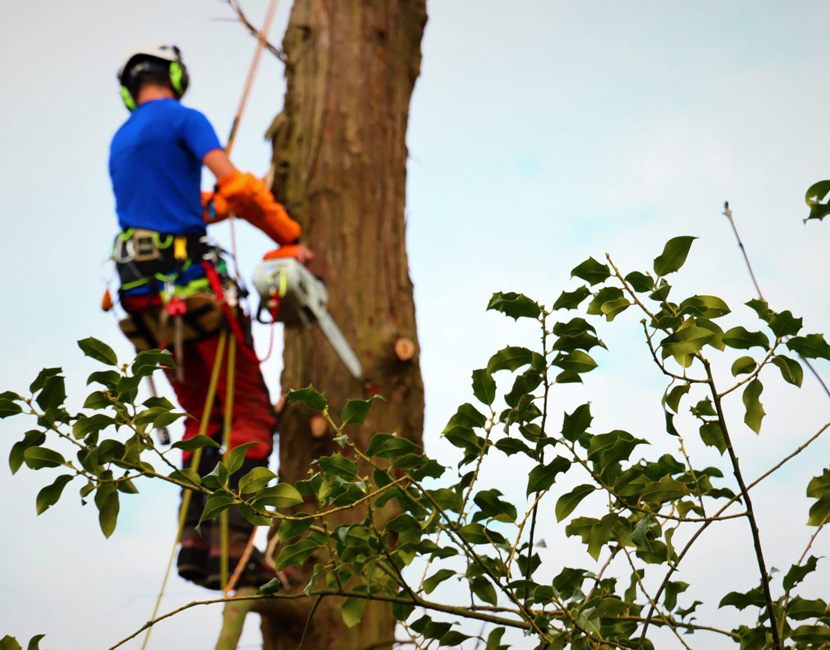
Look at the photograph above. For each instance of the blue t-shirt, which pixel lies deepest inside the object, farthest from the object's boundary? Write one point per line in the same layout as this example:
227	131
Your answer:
156	167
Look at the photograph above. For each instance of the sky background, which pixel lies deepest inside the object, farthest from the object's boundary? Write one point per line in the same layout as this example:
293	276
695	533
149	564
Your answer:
541	132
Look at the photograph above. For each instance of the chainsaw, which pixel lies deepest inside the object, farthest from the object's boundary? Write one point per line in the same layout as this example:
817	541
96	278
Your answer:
293	295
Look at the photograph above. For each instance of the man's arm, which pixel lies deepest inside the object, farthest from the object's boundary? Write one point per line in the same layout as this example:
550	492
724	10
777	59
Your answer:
247	197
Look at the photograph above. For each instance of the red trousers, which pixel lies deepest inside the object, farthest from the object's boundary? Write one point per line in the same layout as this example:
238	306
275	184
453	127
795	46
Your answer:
252	418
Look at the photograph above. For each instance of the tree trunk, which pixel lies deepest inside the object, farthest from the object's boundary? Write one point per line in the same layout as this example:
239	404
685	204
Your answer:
340	168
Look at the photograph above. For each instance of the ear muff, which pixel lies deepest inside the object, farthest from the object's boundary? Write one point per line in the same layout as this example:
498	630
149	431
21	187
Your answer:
178	77
129	102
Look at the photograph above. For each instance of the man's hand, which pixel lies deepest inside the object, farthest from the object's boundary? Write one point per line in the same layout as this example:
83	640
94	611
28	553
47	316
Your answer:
304	254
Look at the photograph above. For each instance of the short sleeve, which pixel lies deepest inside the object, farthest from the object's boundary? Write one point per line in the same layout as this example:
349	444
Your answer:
198	134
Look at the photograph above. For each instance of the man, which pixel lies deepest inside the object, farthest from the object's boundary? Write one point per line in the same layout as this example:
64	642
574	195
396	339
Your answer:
170	273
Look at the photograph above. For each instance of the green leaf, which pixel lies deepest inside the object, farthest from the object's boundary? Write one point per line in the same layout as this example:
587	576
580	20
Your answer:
297	553
388	445
577	423
576	361
95	349
308	396
712	436
148	361
337	465
797	573
812	346
785	324
196	442
515	305
814	197
53	393
216	503
815	635
510	358
791	370
50	495
9	643
453	639
281	495
9	408
713	307
32	438
591	271
484	386
484	590
743	366
41	378
352	610
673	256
752	402
567	503
291	528
492	506
107	378
34	642
106	499
673	397
685	342
801	609
255	480
640	282
819	488
436	579
571	299
543	476
612	308
357	410
494	640
237	456
97	400
741	339
270	588
666	489
40	457
84	425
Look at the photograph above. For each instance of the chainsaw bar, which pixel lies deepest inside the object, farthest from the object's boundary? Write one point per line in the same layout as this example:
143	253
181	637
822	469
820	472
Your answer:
339	343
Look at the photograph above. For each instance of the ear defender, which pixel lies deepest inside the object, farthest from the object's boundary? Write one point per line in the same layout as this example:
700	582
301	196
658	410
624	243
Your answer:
129	102
178	78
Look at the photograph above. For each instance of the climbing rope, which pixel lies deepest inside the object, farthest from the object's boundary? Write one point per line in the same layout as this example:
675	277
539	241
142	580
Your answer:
195	461
243	102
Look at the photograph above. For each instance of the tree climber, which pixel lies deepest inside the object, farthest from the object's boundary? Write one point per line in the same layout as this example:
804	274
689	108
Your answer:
175	285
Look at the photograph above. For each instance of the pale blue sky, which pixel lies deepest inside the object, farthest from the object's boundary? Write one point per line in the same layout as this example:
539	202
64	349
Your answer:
541	132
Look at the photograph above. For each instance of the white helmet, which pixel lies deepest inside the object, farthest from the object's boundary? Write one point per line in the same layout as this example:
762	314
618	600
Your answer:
148	58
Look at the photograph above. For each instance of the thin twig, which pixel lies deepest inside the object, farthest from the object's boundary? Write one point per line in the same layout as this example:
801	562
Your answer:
308	620
728	214
273	49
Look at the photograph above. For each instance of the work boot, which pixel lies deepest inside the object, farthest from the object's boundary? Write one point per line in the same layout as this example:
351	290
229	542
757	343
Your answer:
192	562
256	571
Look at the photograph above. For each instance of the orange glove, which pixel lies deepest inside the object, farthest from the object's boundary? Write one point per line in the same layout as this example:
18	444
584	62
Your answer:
247	197
220	210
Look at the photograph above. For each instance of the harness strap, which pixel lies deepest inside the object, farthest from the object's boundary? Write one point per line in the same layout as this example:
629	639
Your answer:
216	287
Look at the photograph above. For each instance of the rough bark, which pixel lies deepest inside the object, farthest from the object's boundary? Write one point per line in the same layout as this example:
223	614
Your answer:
340	167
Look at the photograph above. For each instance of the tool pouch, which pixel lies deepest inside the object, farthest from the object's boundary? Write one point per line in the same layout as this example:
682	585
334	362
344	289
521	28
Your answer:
147	329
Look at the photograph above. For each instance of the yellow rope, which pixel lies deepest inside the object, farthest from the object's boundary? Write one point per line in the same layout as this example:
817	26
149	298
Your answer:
226	443
197	457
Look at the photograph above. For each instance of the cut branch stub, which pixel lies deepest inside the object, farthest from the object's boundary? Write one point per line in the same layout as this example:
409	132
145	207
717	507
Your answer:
318	426
404	349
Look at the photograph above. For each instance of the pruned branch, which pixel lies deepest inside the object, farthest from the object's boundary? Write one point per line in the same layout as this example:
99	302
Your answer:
242	18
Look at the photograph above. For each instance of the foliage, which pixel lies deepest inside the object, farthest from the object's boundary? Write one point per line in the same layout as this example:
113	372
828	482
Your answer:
409	507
